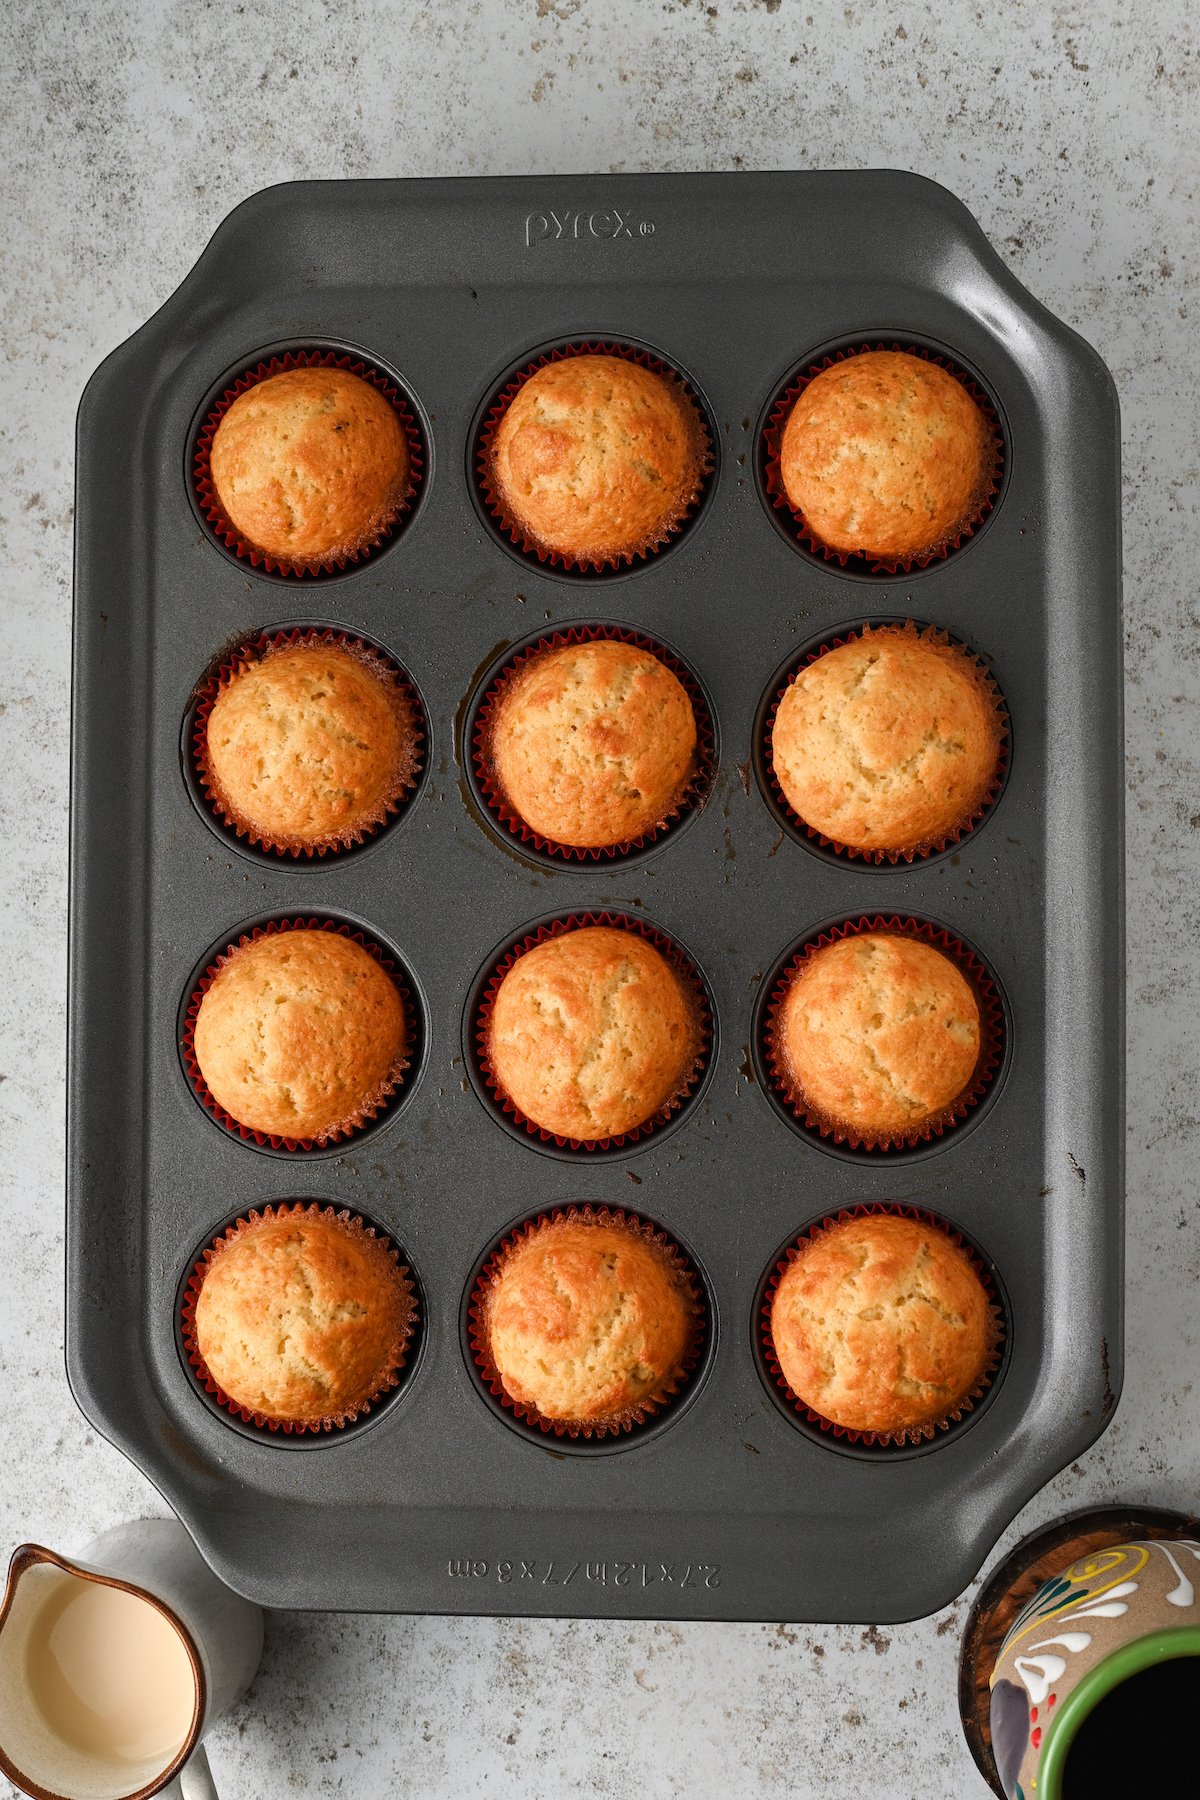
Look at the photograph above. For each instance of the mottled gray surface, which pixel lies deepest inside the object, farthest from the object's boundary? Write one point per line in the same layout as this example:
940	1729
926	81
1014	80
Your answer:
128	132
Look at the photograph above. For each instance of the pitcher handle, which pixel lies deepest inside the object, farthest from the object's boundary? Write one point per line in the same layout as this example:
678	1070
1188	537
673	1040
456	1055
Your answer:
194	1781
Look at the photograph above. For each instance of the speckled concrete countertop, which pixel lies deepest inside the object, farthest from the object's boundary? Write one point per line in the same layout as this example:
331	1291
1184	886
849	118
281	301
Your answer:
129	131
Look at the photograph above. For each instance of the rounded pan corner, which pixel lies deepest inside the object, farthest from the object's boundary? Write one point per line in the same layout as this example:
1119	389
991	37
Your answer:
955	1576
954	215
948	214
240	1576
155	1472
955	1568
95	389
1012	1500
936	194
239	233
244	235
1097	391
99	1419
248	214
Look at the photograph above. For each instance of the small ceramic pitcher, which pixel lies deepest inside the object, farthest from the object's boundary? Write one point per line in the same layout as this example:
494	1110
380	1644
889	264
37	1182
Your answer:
220	1635
1099	1613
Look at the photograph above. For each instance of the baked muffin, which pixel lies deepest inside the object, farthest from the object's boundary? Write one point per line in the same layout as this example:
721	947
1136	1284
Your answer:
588	1321
886	454
592	1033
300	1034
309	745
878	1033
881	1324
596	457
592	744
310	465
888	743
303	1316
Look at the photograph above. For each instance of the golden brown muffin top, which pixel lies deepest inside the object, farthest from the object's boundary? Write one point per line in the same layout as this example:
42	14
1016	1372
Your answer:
591	1033
310	464
593	743
878	1032
310	744
885	453
300	1033
887	743
596	457
302	1318
588	1321
881	1323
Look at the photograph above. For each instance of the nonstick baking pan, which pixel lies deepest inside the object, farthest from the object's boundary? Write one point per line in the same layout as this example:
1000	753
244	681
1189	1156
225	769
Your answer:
728	1504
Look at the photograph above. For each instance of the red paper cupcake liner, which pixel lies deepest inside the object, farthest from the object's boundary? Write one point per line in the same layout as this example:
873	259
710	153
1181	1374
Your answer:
371	1107
991	1035
906	1435
253	650
557	559
679	961
335	1421
223	527
880	565
479	1308
935	846
692	794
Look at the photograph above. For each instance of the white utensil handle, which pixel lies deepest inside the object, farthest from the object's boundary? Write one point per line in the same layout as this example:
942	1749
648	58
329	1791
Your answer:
194	1781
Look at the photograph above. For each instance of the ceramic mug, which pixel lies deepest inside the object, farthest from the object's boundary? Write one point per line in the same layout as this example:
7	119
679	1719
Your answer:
216	1652
1100	1614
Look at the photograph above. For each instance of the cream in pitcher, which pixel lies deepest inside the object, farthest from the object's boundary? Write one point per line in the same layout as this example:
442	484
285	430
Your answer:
111	1668
109	1674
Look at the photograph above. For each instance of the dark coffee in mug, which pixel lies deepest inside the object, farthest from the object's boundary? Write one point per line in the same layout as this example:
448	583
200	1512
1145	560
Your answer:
1141	1738
1080	1672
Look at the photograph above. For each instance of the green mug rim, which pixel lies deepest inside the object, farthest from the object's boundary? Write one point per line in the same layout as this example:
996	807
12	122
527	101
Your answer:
1167	1645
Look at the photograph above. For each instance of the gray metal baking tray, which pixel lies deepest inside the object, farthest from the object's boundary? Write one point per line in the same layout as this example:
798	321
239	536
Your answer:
727	1510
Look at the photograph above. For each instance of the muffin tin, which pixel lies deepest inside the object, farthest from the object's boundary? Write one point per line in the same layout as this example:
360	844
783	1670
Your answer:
724	1505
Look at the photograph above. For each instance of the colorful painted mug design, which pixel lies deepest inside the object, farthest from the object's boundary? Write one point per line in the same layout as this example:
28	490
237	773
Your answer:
1081	1634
